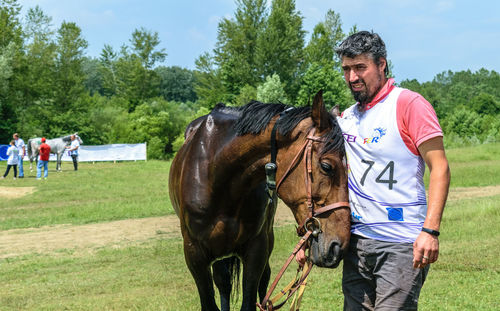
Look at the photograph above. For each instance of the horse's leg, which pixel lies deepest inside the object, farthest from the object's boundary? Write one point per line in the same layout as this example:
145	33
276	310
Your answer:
264	281
223	274
199	266
58	165
254	265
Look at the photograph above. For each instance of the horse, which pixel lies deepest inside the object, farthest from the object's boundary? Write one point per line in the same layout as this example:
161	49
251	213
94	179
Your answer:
218	189
57	147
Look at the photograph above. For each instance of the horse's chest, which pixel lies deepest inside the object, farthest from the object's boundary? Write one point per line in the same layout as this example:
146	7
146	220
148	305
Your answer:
225	234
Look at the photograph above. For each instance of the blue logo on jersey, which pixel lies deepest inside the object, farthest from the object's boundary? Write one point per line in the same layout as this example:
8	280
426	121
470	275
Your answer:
356	216
377	135
395	214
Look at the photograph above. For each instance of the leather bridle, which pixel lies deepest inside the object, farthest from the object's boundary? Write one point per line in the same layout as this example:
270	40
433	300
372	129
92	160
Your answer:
308	228
310	223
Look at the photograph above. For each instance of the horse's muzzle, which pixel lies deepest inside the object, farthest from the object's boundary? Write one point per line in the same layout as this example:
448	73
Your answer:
326	254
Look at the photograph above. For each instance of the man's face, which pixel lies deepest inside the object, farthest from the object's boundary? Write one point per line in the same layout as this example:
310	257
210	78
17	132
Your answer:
72	137
363	76
15	137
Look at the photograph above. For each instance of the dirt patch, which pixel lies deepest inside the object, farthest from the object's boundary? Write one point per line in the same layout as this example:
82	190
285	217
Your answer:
473	192
86	238
15	192
93	236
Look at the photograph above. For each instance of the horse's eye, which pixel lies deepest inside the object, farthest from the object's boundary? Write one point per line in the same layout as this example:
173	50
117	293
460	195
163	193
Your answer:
326	167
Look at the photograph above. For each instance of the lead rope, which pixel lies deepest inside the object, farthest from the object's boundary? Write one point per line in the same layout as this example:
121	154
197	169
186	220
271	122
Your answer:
267	303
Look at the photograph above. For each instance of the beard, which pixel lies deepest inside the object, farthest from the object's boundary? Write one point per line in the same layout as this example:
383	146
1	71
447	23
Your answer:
362	97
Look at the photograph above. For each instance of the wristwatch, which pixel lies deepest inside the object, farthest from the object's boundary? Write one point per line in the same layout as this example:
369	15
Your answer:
430	231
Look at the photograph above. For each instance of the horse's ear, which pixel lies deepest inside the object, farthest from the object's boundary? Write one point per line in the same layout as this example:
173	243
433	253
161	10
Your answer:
319	114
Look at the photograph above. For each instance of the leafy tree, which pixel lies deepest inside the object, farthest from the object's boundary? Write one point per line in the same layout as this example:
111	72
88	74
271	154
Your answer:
107	71
325	37
237	44
209	86
485	104
176	83
6	110
272	91
93	79
11	44
247	94
324	77
280	46
158	123
69	59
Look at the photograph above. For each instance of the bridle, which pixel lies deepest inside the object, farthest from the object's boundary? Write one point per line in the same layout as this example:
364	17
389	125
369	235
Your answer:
309	227
311	222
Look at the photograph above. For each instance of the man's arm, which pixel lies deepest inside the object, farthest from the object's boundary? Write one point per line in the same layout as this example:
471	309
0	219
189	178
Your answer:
426	246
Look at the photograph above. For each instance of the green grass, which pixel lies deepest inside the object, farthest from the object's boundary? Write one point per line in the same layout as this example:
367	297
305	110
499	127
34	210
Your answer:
475	166
95	193
153	275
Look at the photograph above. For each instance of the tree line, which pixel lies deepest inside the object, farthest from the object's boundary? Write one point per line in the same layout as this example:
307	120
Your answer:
50	87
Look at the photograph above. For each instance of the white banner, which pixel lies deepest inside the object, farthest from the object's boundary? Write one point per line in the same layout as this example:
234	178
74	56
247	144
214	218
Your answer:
114	152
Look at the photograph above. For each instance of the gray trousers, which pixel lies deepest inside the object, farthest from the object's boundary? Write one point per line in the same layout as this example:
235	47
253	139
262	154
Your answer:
379	276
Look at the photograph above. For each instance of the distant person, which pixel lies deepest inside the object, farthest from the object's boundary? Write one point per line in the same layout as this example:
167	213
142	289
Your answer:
73	151
13	160
22	152
44	152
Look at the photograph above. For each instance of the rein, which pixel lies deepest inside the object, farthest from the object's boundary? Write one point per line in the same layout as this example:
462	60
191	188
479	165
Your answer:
309	228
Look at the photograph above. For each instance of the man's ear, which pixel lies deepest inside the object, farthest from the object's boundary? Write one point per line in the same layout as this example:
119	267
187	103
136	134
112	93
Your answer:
335	111
383	65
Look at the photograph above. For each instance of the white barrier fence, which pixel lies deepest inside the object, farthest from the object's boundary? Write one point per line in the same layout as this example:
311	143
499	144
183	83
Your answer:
114	152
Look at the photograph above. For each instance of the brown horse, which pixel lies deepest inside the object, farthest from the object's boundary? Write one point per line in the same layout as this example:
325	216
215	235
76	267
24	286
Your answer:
218	189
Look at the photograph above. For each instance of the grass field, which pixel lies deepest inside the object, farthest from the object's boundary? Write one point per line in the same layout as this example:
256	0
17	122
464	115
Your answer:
150	273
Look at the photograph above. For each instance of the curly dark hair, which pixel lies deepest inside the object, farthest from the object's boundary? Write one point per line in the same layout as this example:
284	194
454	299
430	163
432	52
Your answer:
364	42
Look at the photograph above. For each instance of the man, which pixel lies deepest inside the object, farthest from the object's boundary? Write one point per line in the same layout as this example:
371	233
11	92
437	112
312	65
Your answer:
389	133
44	152
73	151
22	152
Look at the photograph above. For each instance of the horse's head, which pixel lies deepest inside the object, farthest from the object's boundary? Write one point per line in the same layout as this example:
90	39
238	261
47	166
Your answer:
312	178
78	138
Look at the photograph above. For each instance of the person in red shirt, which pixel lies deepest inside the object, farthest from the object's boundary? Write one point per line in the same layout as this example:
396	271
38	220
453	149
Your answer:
44	151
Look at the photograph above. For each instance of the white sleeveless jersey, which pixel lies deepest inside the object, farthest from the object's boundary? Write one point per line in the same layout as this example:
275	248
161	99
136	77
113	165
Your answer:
386	188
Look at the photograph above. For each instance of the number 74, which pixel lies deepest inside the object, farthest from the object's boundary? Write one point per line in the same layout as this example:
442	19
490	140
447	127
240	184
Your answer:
389	167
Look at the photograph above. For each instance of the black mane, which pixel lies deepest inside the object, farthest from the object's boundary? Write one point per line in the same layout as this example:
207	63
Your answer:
255	116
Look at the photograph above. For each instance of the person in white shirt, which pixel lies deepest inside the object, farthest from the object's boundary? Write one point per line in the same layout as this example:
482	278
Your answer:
73	151
13	160
390	135
22	152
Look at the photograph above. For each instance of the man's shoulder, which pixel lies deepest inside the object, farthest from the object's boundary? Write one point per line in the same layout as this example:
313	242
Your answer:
409	96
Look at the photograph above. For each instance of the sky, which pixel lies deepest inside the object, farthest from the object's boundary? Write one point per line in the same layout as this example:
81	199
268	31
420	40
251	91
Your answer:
423	37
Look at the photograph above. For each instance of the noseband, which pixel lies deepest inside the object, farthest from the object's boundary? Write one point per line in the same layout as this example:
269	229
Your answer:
311	223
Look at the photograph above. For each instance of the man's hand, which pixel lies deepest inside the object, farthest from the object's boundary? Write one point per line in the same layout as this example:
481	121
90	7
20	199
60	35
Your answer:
300	257
425	250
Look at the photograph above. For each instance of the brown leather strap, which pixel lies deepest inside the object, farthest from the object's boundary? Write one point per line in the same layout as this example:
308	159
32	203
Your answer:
292	165
265	302
324	209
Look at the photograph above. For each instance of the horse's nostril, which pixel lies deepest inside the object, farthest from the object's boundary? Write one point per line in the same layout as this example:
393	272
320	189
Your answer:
334	249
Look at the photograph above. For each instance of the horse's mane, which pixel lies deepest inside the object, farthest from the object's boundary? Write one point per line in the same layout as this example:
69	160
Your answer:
255	116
